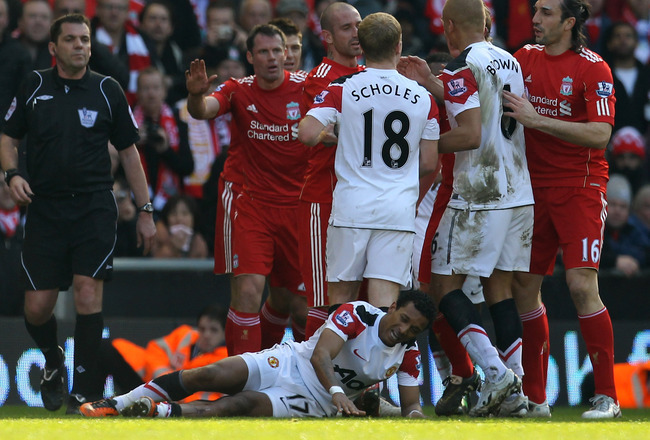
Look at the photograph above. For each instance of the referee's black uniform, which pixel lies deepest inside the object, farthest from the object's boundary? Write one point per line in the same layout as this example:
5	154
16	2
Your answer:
68	124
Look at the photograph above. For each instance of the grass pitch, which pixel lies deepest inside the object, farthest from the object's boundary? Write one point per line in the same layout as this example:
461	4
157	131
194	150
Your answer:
23	423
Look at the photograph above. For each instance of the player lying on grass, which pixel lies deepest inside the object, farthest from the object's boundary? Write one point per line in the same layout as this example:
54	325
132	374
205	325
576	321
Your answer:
359	345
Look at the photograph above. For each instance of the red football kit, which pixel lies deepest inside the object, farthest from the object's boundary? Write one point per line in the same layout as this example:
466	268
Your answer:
264	135
569	180
569	186
316	195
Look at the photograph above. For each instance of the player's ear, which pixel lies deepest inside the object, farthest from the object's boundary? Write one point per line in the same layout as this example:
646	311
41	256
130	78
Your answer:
51	47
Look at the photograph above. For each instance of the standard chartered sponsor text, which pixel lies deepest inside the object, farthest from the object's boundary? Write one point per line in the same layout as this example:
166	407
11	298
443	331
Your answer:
269	132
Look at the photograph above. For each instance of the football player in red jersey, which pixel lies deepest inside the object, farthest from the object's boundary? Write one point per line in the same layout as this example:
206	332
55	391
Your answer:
568	117
340	22
266	111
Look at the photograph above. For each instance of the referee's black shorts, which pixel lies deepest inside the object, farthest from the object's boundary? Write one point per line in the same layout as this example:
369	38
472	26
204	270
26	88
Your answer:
66	236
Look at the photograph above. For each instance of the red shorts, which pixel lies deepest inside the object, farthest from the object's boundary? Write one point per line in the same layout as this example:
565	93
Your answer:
228	192
439	206
266	243
312	236
572	219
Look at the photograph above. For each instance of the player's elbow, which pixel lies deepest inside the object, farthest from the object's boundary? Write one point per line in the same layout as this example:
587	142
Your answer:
600	136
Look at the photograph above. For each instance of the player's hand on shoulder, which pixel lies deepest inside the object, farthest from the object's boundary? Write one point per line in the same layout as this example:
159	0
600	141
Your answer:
414	68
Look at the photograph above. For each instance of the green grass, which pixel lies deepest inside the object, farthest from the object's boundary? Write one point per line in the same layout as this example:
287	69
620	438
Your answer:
20	422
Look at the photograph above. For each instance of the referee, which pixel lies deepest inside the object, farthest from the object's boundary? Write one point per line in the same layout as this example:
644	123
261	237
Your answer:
69	114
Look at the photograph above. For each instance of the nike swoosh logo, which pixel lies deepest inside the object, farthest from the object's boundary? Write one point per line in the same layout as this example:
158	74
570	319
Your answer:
355	351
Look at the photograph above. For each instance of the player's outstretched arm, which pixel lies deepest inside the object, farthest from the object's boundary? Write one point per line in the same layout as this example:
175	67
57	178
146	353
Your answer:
587	134
198	84
328	346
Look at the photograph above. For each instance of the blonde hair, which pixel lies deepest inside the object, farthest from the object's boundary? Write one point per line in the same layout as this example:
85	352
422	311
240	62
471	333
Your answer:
379	35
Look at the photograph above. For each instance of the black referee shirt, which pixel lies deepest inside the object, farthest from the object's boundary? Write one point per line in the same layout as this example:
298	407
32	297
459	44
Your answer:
68	124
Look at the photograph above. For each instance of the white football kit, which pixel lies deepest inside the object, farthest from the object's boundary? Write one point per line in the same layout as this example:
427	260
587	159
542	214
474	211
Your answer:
488	221
290	381
382	116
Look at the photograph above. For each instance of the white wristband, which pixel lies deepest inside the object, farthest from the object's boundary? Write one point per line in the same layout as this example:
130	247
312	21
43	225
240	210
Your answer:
336	389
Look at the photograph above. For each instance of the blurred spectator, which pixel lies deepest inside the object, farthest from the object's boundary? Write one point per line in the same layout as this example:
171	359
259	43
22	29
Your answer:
224	38
177	230
11	295
596	25
65	7
112	28
628	155
157	25
204	143
126	244
185	347
226	69
640	216
625	247
163	146
293	62
411	43
187	32
34	32
254	12
297	11
631	77
367	7
14	66
637	12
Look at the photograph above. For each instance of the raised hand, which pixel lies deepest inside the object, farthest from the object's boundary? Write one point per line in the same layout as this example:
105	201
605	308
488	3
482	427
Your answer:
196	78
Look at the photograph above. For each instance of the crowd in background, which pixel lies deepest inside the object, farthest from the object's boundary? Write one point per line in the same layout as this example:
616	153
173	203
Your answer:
147	45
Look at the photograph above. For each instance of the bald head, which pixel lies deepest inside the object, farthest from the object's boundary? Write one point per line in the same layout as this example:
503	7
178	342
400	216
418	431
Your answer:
332	13
468	15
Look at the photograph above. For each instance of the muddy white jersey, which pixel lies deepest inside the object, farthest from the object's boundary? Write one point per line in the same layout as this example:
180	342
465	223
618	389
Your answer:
364	359
381	116
494	176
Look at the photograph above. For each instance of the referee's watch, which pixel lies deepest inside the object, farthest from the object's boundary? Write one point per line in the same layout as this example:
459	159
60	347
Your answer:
10	174
147	207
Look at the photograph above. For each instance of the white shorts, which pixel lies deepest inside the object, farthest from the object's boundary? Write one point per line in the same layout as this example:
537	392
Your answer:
354	254
477	242
275	373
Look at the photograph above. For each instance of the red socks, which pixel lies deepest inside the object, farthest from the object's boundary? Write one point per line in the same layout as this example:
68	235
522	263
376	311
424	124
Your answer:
535	353
273	325
315	319
243	332
461	364
598	334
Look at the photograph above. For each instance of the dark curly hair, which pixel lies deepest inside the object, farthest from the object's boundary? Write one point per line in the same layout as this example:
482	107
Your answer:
422	302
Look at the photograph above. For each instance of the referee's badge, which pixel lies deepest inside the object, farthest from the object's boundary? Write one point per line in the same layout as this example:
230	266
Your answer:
87	117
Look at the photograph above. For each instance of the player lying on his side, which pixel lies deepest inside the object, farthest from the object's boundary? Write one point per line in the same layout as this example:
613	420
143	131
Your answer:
359	345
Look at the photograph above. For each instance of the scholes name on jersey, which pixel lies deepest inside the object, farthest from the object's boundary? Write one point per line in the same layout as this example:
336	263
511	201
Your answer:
384	89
